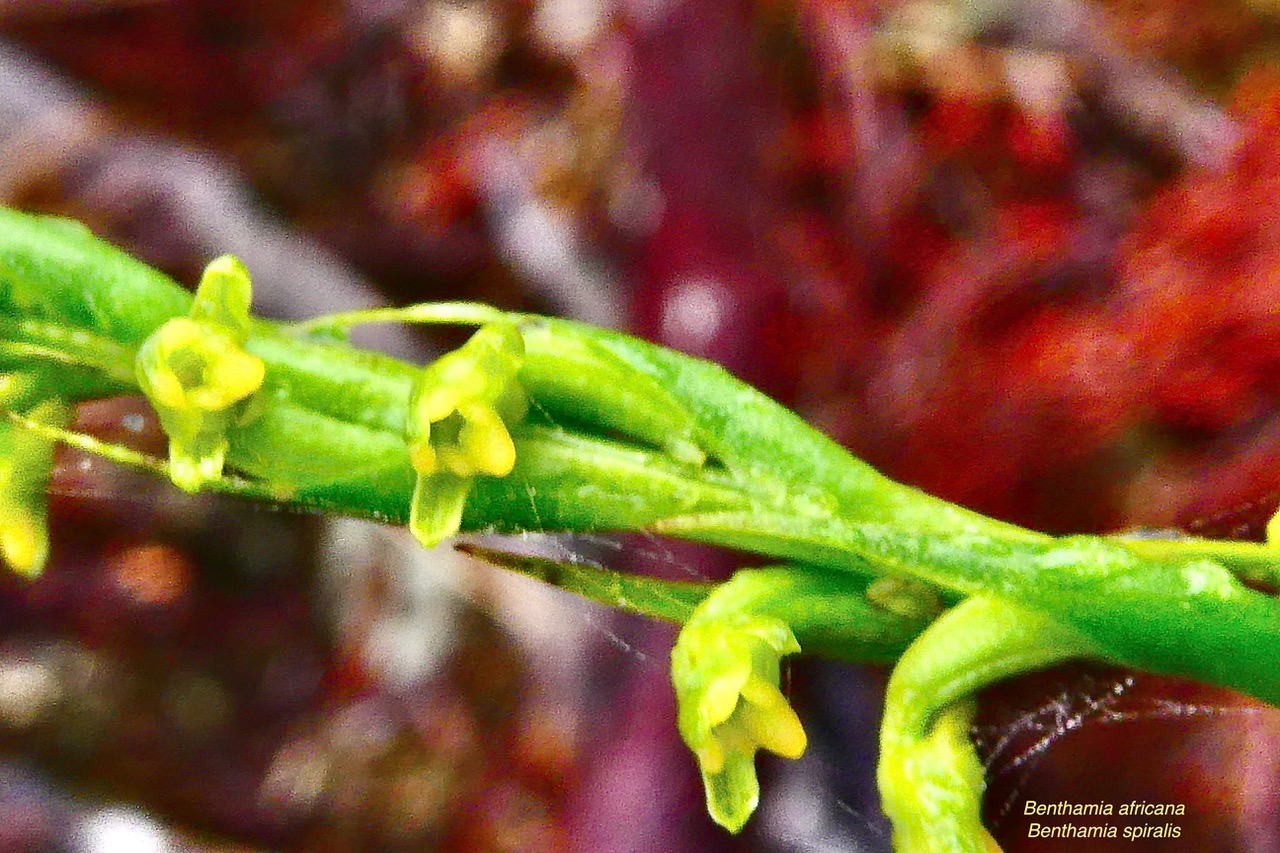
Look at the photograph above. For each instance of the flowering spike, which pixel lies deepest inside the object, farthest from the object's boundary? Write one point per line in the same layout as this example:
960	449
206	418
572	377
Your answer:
460	411
725	669
196	373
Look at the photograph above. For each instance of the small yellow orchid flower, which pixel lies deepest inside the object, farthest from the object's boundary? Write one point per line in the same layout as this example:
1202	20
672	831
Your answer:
726	674
196	373
459	412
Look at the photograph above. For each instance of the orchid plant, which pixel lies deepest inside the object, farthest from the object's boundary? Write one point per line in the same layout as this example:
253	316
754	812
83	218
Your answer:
540	424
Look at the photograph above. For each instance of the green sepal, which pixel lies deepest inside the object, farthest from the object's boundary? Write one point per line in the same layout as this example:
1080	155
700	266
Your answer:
657	598
223	297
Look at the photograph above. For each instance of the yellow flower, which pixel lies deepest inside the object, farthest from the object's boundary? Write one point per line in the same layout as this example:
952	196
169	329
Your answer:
195	372
726	674
196	368
459	412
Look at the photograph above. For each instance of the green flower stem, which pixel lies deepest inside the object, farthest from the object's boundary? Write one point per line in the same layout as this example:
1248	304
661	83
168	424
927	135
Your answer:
1252	562
843	616
931	781
1188	617
328	432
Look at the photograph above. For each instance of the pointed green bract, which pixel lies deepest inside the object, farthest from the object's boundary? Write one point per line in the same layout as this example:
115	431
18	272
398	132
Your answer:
223	298
570	374
57	269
